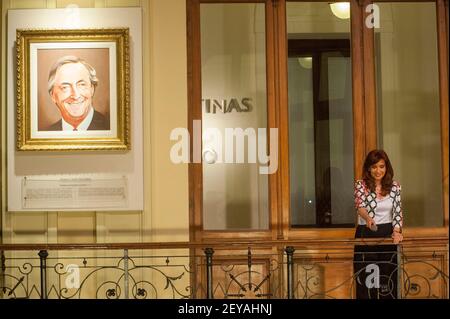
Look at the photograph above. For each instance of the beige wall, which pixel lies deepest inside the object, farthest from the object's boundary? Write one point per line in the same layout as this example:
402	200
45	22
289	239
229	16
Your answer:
165	216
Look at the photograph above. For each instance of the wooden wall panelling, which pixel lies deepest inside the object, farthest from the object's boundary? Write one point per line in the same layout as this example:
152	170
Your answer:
236	274
425	272
321	279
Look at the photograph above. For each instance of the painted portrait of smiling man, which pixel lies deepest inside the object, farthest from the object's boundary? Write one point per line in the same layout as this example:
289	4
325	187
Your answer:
73	90
75	94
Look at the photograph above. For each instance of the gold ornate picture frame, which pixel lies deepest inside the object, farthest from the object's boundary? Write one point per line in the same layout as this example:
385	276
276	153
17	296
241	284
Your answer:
73	90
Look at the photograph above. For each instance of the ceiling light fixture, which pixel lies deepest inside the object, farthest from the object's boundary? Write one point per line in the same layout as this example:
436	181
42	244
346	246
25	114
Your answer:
341	9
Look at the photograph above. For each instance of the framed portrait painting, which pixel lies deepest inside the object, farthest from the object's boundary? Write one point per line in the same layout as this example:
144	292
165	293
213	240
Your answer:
73	90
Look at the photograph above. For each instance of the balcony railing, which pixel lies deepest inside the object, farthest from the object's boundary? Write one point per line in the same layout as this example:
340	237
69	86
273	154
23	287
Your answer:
259	269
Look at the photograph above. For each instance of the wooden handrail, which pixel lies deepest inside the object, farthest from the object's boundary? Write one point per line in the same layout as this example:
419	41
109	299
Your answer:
227	244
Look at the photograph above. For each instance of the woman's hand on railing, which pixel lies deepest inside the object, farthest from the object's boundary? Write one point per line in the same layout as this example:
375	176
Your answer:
370	223
397	236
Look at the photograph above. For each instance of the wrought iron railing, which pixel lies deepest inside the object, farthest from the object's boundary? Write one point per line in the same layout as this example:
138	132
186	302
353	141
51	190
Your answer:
266	269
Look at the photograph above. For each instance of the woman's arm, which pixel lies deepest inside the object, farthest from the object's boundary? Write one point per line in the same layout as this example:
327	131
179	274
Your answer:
397	236
360	199
397	220
365	215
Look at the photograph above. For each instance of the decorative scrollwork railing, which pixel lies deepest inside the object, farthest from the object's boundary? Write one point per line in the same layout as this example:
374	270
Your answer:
269	269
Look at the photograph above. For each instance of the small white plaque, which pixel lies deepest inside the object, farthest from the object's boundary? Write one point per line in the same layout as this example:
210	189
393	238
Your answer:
74	193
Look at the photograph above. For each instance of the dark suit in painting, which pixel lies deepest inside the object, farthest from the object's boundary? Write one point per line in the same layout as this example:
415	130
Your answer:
99	123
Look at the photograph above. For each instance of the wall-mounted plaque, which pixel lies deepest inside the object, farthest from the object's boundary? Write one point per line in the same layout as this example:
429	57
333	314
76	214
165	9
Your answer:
74	193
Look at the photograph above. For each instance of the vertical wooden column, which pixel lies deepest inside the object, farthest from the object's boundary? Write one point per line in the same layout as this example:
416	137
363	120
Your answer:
272	111
442	29
358	87
370	89
194	113
280	180
1	118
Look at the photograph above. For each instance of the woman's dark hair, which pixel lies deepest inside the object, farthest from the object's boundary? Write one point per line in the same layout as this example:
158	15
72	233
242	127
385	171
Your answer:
386	183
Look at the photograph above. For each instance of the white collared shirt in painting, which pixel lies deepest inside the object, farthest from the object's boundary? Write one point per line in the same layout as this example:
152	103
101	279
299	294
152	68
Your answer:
83	125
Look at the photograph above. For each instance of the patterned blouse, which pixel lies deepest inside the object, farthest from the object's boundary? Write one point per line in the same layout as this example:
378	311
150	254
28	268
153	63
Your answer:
367	199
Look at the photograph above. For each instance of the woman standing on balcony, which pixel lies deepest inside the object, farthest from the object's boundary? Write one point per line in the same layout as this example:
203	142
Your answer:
379	207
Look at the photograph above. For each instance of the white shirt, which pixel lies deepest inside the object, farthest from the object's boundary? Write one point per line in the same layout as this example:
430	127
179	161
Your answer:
383	212
83	126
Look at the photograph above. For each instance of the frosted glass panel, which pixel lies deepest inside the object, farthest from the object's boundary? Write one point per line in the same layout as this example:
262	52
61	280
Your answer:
408	106
301	132
235	195
341	137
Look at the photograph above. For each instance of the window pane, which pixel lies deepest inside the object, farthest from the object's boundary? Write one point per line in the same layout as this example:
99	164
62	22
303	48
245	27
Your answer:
320	117
408	106
233	53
